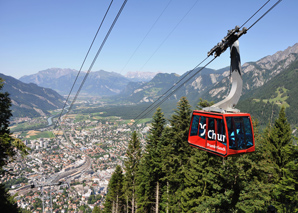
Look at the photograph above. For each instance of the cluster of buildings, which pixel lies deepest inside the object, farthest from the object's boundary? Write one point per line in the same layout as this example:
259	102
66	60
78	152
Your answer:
82	158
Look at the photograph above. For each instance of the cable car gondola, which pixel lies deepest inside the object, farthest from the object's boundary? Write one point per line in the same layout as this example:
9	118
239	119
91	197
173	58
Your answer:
221	129
222	134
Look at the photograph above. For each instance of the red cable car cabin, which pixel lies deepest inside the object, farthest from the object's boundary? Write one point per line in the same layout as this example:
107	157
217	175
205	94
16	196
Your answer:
222	134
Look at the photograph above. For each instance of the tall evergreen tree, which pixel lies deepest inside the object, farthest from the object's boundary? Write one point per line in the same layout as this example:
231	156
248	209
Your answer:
114	202
167	170
132	162
8	149
150	168
178	158
283	155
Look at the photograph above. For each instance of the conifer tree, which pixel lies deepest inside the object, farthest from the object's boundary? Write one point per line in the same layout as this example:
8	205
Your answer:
167	170
9	147
180	152
131	167
196	182
283	156
114	202
150	168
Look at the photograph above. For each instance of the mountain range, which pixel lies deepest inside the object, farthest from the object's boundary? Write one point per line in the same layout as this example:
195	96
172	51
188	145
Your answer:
99	83
260	84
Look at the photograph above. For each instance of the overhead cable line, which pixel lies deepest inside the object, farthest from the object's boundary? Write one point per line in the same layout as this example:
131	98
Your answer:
217	50
170	94
264	14
255	13
96	56
168	35
85	59
146	35
170	88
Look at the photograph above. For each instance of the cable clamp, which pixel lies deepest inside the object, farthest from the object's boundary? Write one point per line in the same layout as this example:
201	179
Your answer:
227	41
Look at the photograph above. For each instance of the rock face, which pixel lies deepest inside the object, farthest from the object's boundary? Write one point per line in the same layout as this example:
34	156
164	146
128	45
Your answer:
30	100
256	74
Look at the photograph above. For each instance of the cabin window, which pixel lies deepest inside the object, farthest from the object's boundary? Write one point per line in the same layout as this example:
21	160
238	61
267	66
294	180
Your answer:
221	133
240	133
195	125
248	132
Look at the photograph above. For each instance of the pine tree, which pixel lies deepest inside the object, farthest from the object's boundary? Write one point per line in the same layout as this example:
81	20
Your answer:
114	202
168	171
196	182
8	149
178	157
131	167
283	156
150	168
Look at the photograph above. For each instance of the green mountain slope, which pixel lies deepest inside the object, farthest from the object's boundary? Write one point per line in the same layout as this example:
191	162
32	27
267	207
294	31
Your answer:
30	100
264	103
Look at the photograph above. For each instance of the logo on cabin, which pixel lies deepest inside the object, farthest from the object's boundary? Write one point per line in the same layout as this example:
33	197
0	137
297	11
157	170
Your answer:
211	134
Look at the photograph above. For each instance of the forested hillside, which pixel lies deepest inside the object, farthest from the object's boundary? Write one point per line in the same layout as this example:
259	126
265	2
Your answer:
167	175
265	102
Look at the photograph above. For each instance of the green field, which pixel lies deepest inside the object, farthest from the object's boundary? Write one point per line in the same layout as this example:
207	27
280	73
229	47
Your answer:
279	100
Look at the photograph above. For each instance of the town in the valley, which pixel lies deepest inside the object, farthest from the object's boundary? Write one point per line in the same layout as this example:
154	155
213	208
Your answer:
68	166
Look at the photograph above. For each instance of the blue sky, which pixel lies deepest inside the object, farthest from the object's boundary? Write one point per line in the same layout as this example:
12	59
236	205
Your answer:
39	34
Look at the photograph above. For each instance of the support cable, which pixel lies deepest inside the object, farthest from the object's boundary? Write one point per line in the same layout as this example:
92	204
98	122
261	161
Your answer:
265	14
170	88
170	94
166	38
255	13
96	56
85	60
146	35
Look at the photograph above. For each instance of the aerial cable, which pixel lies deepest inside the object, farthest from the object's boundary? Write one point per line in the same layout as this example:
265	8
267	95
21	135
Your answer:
254	14
218	49
96	56
170	88
265	14
168	36
170	94
146	35
85	59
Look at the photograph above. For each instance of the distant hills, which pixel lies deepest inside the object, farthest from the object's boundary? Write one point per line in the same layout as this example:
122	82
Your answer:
30	100
99	83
